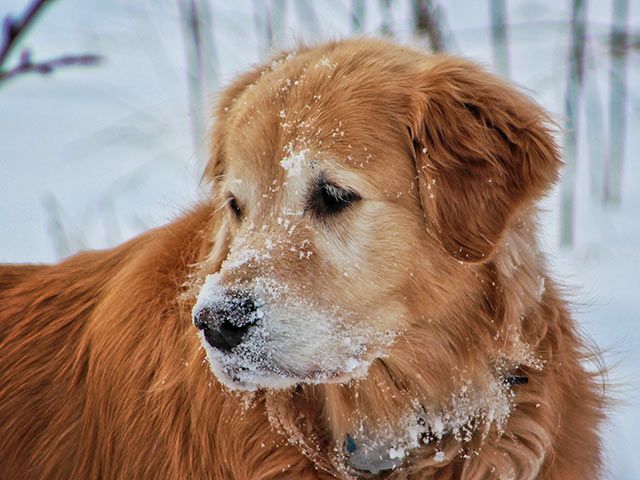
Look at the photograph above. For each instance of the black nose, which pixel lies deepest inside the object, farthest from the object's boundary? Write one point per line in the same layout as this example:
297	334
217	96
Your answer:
226	323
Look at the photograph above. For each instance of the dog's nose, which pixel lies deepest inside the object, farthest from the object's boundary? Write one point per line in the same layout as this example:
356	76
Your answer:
226	323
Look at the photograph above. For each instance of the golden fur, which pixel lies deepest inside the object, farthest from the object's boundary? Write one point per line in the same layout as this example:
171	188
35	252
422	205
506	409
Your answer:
102	374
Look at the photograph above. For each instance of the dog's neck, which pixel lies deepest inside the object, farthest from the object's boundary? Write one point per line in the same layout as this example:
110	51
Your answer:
374	425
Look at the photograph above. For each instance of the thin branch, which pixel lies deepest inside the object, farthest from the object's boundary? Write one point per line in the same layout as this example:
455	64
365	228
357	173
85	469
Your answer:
26	65
358	12
596	137
617	103
13	31
277	22
499	36
14	28
262	26
197	29
428	24
65	242
385	11
308	17
572	106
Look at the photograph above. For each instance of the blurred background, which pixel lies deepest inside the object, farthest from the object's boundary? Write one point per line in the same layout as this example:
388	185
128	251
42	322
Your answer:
104	109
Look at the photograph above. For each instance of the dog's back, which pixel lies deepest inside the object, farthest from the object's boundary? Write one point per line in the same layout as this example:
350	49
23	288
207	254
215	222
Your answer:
48	351
43	318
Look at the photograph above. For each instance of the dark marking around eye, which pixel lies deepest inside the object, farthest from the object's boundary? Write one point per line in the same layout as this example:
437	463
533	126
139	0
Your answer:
329	199
234	206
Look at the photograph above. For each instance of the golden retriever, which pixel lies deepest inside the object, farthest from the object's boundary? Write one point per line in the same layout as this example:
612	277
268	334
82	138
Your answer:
362	296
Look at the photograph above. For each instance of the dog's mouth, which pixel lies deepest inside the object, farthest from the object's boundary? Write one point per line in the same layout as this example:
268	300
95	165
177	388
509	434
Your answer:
244	378
241	377
238	373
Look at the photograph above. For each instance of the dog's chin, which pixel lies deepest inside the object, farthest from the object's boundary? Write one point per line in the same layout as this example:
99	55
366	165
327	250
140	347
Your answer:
241	377
247	379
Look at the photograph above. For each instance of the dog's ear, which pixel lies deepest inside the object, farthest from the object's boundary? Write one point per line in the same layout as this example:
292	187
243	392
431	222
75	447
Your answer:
483	152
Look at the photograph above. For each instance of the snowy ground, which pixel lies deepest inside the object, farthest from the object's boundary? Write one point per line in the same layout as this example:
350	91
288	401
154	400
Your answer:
107	151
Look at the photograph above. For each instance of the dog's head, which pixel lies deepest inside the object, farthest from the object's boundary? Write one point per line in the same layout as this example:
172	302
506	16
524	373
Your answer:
364	187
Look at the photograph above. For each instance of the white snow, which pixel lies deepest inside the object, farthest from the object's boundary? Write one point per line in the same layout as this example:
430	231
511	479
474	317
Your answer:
396	453
352	363
210	293
326	63
294	162
472	408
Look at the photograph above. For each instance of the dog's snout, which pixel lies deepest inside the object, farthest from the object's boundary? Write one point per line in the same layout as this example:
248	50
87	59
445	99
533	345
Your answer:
226	323
202	318
226	336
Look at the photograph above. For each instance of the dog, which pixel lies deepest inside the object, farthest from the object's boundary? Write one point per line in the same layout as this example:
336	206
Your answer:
360	295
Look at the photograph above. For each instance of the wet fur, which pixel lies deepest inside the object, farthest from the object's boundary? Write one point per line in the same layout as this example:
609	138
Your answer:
102	374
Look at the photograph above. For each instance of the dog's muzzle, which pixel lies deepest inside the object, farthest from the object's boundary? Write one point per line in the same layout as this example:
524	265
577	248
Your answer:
226	323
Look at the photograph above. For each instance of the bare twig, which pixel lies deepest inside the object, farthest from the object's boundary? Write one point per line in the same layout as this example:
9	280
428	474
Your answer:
308	17
64	241
594	119
499	36
617	103
14	28
277	24
26	65
197	27
262	25
268	20
572	105
358	11
385	11
428	24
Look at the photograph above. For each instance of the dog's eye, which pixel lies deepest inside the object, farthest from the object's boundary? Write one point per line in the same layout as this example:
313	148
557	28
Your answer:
329	199
234	206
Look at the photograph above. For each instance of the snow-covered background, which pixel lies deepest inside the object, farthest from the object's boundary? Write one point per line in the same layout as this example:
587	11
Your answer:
91	156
